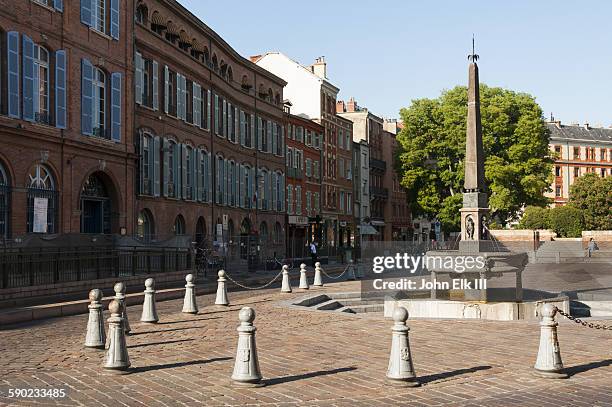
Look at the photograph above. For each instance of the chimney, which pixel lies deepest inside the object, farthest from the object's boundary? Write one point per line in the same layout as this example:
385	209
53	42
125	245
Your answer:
586	126
340	107
319	68
351	106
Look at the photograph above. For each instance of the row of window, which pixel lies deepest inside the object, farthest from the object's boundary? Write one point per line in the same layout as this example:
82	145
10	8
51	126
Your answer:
590	153
187	172
192	103
306	136
102	16
294	201
588	170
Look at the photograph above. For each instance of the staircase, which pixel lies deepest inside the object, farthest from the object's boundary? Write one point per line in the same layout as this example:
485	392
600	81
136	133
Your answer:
594	303
343	302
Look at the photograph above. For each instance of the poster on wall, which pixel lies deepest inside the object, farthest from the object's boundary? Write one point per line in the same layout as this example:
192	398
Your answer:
40	215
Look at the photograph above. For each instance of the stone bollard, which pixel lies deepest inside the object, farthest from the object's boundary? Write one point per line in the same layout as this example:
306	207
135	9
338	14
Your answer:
96	337
548	363
401	371
246	365
117	358
351	271
149	310
189	303
120	289
303	278
286	285
318	278
221	290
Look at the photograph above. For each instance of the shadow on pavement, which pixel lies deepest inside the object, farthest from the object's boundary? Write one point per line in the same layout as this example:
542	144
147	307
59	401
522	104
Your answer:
174	365
286	379
587	366
186	320
159	343
165	330
445	375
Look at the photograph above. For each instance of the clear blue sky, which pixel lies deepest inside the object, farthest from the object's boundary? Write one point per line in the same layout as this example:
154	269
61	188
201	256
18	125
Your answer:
387	53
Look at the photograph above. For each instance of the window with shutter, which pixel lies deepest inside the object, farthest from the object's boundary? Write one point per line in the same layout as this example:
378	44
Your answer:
155	173
138	78
60	89
14	77
114	19
87	72
116	106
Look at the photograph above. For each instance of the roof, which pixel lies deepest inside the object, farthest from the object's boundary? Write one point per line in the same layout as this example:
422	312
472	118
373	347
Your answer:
256	58
562	132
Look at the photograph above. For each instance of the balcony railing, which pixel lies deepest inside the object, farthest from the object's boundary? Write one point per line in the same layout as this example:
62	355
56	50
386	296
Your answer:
42	117
378	164
377	192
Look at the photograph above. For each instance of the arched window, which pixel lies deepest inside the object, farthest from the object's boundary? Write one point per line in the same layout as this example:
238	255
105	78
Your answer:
42	201
95	206
158	23
4	203
141	14
223	70
200	234
206	56
278	233
145	228
244	83
41	85
230	74
99	107
277	99
263	231
215	63
262	92
179	225
270	97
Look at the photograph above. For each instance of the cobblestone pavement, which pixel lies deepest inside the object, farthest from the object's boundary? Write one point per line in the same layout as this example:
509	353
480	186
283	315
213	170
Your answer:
307	358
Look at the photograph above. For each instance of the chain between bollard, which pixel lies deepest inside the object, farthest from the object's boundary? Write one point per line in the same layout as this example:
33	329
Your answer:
584	323
253	288
338	276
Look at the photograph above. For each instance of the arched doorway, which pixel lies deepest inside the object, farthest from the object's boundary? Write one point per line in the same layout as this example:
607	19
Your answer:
245	241
42	193
95	206
4	203
179	225
145	228
200	234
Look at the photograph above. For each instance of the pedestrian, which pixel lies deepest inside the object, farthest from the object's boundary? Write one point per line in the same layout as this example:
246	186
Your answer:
592	246
313	252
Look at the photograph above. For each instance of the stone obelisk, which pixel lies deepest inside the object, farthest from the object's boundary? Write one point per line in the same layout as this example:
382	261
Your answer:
474	236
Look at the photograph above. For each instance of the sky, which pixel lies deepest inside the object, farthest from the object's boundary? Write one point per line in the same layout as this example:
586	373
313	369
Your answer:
387	53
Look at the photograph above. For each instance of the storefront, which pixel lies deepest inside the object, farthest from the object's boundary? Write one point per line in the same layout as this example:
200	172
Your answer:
297	236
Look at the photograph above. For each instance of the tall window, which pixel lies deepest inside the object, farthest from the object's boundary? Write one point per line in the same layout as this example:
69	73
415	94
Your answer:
41	85
99	106
263	231
179	225
171	169
298	200
98	14
42	195
145	228
4	203
220	178
189	173
290	199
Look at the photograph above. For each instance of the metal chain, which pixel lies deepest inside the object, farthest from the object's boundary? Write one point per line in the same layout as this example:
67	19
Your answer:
253	288
584	323
338	276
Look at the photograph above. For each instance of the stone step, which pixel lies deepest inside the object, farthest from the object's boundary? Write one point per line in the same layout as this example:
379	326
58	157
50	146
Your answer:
328	305
359	309
314	300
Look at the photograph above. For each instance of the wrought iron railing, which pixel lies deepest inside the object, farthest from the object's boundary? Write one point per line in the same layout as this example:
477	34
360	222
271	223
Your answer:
26	267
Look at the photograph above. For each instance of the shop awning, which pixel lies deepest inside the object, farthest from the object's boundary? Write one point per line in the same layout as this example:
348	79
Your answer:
365	229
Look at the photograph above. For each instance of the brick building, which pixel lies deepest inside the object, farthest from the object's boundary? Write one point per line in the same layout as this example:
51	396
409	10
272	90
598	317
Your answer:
313	97
210	133
304	145
581	150
66	157
397	210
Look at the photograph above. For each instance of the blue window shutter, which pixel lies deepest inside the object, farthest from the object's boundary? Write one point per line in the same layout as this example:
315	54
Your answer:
86	97
14	78
155	86
166	168
60	89
166	88
58	5
28	78
156	175
114	19
86	12
141	163
184	170
116	106
139	78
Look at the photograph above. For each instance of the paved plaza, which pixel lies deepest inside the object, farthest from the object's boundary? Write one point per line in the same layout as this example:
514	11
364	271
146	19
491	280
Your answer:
307	357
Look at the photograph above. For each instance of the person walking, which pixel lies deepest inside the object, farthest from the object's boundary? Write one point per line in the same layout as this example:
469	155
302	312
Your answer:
592	246
313	252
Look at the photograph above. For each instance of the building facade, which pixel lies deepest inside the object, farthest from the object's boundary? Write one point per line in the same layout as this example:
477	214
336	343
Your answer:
396	211
313	97
580	150
66	156
304	151
209	129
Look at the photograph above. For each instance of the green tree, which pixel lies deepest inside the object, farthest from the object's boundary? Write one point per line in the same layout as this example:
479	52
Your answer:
566	221
518	166
593	196
535	218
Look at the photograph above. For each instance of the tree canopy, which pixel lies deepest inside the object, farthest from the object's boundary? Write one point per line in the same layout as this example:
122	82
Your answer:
518	165
592	194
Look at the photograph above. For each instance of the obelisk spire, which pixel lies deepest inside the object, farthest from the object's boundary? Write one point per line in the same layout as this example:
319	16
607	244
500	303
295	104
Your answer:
474	154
